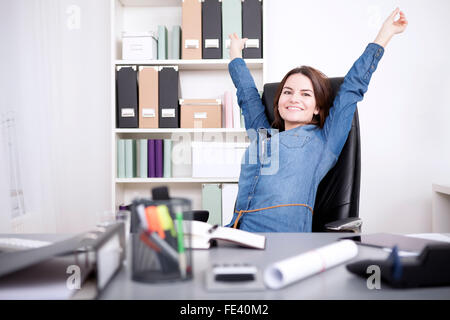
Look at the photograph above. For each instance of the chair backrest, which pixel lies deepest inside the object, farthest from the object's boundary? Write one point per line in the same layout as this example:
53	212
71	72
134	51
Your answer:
338	193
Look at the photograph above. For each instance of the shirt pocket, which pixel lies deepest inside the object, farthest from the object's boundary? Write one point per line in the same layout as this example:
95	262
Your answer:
295	140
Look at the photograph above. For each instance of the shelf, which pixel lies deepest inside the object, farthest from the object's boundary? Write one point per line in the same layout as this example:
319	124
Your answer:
181	130
203	64
176	180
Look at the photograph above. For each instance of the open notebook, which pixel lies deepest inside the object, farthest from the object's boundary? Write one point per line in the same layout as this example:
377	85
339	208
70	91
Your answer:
203	235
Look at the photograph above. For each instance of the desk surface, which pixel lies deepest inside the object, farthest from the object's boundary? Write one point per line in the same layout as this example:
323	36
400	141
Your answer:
336	283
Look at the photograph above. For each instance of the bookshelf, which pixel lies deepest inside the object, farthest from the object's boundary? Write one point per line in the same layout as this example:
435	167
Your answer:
206	78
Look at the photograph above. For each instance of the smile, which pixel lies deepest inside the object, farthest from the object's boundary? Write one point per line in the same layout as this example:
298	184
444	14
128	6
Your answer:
295	108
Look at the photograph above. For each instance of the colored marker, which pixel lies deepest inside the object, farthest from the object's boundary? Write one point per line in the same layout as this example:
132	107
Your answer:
181	252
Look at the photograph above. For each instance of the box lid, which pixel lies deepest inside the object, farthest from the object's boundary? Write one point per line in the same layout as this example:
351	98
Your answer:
140	34
200	102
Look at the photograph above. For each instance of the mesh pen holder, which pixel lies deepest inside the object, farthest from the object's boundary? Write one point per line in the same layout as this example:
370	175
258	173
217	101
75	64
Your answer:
160	242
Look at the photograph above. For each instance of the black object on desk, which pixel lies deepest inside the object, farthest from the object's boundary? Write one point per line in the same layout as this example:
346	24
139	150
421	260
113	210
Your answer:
388	240
430	268
234	272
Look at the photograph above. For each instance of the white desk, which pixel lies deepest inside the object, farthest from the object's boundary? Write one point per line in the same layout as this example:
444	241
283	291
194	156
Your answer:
336	283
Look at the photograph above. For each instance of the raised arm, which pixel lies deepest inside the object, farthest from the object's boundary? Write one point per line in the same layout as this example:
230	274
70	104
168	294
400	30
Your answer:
391	27
247	93
356	82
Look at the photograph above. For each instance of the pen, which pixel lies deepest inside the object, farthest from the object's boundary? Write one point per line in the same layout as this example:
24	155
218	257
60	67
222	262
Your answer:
181	252
142	217
213	228
149	243
166	249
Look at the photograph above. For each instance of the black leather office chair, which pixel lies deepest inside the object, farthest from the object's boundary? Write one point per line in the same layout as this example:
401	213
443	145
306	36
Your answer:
337	199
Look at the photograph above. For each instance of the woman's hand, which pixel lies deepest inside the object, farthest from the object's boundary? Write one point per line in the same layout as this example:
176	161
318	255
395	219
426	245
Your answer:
391	27
236	46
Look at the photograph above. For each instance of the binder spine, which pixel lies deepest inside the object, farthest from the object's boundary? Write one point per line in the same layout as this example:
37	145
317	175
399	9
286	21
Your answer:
127	97
191	29
168	97
231	23
252	28
211	29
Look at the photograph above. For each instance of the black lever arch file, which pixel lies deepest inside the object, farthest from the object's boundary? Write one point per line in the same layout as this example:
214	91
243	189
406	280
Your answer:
169	115
127	97
252	28
212	29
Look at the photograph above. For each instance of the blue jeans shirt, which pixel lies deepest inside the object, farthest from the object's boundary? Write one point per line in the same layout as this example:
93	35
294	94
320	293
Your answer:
281	169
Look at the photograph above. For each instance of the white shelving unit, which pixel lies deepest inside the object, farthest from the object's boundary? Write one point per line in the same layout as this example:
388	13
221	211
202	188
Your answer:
206	78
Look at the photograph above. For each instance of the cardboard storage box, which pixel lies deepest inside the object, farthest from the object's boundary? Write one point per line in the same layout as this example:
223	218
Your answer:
201	113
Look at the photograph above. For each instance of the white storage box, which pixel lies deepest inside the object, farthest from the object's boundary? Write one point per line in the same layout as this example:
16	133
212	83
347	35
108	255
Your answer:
217	159
139	45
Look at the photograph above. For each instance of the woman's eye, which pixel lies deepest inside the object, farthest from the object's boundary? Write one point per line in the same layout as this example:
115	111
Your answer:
286	92
307	94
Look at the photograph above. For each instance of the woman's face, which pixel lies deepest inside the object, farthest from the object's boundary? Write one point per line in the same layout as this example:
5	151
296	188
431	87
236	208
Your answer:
297	103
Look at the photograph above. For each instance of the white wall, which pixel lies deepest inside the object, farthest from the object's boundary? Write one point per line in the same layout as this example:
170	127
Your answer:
405	115
56	72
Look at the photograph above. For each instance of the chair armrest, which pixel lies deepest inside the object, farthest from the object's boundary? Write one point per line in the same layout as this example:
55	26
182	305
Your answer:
199	215
345	225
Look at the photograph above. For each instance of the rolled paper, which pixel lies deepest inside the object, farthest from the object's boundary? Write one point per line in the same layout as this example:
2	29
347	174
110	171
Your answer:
285	272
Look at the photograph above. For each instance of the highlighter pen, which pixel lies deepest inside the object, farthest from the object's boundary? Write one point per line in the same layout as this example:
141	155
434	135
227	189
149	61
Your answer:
166	220
181	253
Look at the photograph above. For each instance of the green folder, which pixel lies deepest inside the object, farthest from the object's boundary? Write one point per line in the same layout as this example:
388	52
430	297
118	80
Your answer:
231	22
130	156
175	41
167	158
141	158
120	158
162	43
212	201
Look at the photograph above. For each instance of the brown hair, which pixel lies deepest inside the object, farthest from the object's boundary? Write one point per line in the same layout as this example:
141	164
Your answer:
322	93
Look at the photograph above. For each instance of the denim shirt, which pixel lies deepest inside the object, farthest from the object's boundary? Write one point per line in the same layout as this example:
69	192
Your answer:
284	168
